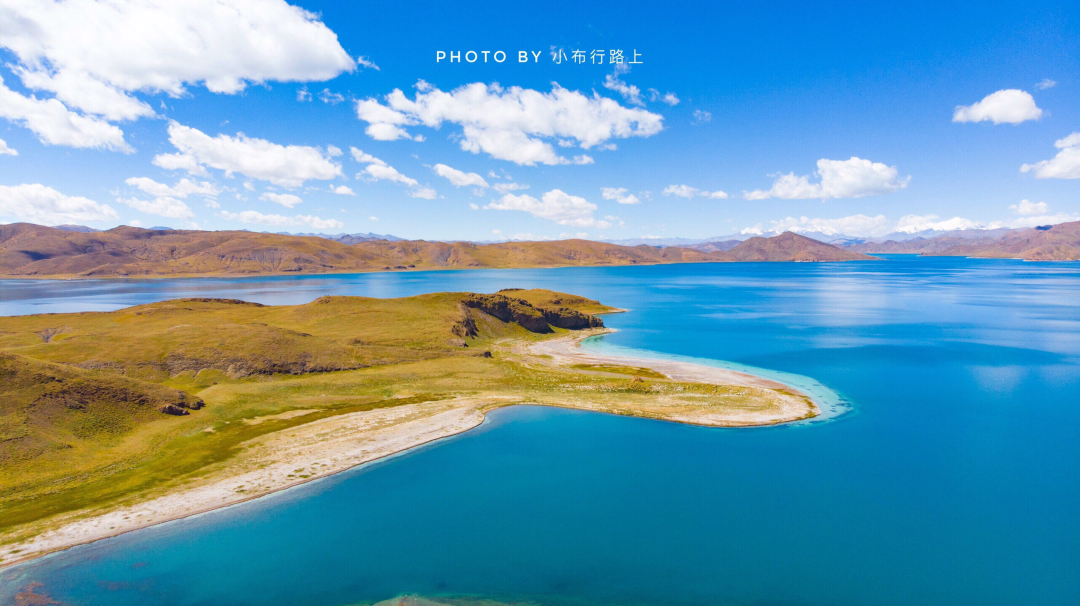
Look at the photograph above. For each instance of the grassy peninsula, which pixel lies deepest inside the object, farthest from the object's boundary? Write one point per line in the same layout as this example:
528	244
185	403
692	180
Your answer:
112	421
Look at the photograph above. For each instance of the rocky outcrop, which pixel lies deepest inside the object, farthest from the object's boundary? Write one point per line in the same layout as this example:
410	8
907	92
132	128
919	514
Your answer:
572	319
534	319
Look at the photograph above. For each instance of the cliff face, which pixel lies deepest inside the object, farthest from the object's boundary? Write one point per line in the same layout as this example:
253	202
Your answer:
534	319
1055	243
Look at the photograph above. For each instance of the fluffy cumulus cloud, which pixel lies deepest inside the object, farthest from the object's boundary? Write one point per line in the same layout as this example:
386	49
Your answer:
556	205
631	93
1010	106
365	158
250	216
685	191
286	200
182	189
5	150
342	190
55	124
377	170
619	194
92	56
382	172
854	178
1065	165
459	178
162	206
1028	208
514	124
285	165
37	203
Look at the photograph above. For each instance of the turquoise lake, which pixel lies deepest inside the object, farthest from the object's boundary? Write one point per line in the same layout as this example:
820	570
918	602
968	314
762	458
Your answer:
952	478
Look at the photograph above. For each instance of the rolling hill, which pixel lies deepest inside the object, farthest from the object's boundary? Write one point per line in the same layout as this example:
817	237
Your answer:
28	250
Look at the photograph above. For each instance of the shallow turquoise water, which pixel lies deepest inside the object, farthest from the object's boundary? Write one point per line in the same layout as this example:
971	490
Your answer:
952	479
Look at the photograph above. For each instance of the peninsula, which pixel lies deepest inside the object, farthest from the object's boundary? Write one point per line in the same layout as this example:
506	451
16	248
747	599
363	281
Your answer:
118	420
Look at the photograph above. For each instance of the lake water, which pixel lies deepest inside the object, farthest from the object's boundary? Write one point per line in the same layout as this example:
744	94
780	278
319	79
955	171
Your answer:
952	479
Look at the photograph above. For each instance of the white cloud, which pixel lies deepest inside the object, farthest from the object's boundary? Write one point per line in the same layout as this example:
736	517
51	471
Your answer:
512	124
182	189
1011	106
343	190
373	218
670	99
619	194
503	188
162	206
701	116
55	124
1045	83
5	150
556	205
384	172
286	200
37	203
854	178
211	203
1065	165
368	63
93	55
363	158
855	225
332	98
250	216
248	185
1035	221
685	191
424	193
631	93
911	224
459	178
474	206
303	95
333	151
135	223
288	166
1029	208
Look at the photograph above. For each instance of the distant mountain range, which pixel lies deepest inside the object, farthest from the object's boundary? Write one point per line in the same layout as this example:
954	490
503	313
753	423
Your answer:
1059	242
28	250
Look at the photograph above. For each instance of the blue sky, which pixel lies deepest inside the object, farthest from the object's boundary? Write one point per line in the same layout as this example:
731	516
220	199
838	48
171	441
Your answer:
850	110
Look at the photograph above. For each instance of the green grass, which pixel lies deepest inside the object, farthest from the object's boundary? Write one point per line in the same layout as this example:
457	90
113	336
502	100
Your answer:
645	373
80	396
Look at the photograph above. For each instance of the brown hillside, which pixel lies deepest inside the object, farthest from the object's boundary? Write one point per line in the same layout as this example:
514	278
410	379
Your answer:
917	246
791	247
1058	243
34	251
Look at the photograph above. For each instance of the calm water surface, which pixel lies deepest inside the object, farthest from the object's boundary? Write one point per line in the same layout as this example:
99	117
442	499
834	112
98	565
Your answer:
952	479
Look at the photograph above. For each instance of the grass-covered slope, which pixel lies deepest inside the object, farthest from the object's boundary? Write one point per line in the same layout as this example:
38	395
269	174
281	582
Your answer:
97	405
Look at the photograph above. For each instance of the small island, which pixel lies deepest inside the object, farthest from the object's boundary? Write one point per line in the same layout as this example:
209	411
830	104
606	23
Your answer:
115	421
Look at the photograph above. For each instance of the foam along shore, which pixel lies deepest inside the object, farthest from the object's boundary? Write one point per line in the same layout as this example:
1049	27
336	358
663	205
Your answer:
790	404
328	445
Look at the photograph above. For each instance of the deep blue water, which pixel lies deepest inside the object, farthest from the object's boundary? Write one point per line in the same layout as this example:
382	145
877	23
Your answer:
952	480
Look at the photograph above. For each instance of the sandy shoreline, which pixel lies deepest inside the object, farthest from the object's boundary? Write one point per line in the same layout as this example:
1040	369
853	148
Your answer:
321	448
